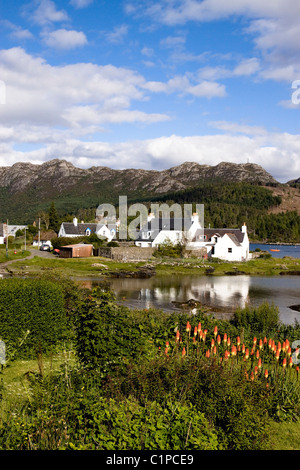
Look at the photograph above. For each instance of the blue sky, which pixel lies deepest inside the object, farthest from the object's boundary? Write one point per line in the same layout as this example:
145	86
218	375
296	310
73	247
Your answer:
150	84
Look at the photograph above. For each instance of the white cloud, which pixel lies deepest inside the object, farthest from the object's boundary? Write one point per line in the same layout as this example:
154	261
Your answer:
46	13
81	3
117	36
64	39
277	153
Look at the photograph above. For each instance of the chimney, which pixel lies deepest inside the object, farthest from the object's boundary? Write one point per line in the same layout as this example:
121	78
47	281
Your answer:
195	217
150	217
244	228
75	221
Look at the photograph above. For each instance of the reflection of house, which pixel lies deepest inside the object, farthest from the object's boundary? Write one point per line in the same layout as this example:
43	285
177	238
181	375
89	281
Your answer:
45	238
75	229
227	244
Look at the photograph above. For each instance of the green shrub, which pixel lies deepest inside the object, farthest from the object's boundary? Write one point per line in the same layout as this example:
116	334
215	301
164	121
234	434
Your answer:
106	336
263	319
32	308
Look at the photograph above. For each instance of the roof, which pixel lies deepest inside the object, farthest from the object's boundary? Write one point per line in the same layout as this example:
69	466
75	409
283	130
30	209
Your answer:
47	235
76	245
235	234
80	228
167	224
2	230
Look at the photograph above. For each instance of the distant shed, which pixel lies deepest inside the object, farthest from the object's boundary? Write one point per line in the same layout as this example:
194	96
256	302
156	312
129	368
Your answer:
80	250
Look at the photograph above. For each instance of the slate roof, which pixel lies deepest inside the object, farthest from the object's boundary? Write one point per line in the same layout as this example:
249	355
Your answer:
79	229
2	230
236	235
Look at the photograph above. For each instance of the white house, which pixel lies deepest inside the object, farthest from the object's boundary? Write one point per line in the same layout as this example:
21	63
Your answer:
230	244
226	244
175	230
75	229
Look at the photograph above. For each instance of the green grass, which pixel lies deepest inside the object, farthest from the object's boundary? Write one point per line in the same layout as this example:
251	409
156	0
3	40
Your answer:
12	255
98	266
284	436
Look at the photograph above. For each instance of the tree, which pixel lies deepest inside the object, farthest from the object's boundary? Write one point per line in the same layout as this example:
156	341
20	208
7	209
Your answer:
54	222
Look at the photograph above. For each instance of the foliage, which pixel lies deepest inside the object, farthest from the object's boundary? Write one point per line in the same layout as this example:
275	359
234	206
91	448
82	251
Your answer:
105	333
263	319
34	306
169	249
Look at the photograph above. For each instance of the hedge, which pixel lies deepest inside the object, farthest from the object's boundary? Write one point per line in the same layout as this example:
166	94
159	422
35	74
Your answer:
33	309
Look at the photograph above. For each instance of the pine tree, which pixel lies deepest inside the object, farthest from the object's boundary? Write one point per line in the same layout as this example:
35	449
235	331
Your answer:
54	222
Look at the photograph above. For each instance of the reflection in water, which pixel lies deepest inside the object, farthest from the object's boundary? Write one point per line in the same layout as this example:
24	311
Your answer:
217	292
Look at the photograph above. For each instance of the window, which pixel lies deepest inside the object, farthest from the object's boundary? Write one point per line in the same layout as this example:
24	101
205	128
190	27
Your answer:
229	250
88	232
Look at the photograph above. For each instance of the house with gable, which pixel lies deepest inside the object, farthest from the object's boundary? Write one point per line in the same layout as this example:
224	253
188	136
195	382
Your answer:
226	244
79	229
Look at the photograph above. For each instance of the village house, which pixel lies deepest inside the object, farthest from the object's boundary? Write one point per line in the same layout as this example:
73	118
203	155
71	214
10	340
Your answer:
79	229
226	244
44	238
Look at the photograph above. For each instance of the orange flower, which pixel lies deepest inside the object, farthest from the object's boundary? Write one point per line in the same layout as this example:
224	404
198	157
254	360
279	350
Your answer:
270	343
233	350
290	361
257	354
188	327
166	351
289	351
277	354
183	352
228	341
247	354
227	354
199	327
225	338
279	346
215	350
195	331
238	341
207	354
243	349
252	376
284	362
260	344
265	340
215	331
266	373
259	363
212	343
255	370
219	340
254	340
177	336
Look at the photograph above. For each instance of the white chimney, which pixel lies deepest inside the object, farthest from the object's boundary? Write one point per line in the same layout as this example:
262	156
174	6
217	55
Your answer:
150	217
195	217
75	221
244	228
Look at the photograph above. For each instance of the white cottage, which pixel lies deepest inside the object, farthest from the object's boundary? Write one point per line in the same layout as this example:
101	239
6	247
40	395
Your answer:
76	229
226	244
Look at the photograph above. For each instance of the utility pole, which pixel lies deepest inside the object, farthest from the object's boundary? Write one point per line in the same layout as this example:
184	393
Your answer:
7	239
25	238
39	232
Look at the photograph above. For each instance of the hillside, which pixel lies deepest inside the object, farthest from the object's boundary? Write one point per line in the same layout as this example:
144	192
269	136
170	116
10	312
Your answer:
26	189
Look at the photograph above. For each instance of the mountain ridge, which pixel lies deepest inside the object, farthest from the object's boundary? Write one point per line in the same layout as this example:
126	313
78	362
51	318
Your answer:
27	188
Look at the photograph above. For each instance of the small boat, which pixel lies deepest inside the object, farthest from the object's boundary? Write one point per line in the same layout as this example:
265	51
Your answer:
274	250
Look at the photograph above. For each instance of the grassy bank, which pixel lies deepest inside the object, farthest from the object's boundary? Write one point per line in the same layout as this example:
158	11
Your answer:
95	266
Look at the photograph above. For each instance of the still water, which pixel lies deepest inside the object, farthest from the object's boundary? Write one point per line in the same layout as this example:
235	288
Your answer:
225	293
283	250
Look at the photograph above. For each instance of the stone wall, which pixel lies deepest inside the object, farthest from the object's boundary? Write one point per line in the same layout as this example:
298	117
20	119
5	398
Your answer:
125	253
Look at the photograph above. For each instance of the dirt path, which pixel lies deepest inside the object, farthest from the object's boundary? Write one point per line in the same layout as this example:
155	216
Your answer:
33	252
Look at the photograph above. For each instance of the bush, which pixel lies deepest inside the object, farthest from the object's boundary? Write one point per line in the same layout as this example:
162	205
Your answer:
32	308
263	319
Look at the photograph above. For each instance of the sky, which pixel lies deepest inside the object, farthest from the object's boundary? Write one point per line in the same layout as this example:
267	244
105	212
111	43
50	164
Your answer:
151	84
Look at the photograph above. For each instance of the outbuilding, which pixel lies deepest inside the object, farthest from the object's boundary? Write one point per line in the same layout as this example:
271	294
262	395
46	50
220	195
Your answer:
80	250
